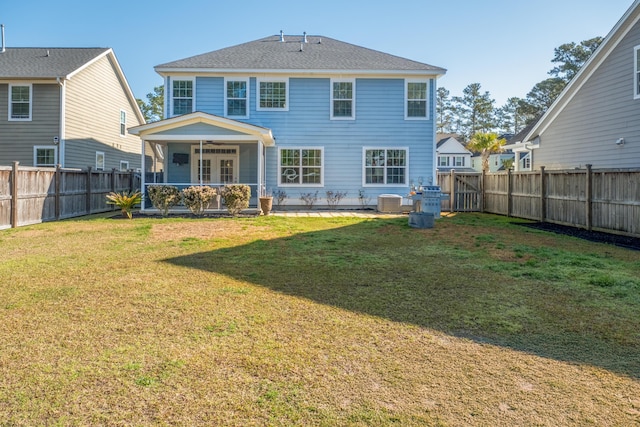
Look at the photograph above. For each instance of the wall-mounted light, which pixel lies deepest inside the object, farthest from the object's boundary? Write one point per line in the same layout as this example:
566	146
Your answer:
620	141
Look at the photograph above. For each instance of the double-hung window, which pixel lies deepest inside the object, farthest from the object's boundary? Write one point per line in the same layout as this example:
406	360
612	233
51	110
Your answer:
272	94
343	93
458	161
100	160
385	166
443	161
123	123
415	100
45	155
182	97
300	166
236	95
20	102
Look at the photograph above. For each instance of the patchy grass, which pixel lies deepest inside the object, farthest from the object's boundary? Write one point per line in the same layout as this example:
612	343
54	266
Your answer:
311	321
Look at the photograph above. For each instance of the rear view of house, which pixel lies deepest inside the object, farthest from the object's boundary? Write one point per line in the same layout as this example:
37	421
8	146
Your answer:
298	114
67	106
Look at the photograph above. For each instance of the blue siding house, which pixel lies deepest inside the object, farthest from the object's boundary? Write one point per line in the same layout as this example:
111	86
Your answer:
298	114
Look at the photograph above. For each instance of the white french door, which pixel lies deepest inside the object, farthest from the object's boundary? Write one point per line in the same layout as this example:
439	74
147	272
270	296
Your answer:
218	165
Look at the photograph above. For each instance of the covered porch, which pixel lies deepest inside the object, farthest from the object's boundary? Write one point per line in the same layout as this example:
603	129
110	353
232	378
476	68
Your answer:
200	149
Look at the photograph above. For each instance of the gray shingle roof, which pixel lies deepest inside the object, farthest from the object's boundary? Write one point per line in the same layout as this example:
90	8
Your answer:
33	62
319	53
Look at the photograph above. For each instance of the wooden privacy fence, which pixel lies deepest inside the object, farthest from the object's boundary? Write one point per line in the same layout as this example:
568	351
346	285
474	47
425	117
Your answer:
595	199
31	195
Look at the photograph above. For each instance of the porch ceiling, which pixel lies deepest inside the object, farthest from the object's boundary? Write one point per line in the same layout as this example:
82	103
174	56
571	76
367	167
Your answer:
203	126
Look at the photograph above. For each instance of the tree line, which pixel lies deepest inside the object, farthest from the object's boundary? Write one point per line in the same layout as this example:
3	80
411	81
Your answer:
475	112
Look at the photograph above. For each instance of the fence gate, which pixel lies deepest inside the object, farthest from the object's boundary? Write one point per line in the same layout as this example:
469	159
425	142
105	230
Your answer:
464	191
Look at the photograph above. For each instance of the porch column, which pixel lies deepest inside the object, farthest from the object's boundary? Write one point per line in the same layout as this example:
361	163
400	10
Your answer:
142	174
260	171
200	174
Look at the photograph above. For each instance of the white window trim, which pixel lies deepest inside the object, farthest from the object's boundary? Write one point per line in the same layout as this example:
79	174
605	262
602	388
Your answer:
364	167
237	79
268	80
193	97
104	161
45	147
636	73
406	99
123	130
353	99
321	184
124	163
28	119
440	164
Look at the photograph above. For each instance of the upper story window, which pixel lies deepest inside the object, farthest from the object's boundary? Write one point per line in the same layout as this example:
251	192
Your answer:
343	99
273	94
636	72
443	160
182	97
45	155
416	100
385	166
458	161
236	95
300	166
123	122
20	102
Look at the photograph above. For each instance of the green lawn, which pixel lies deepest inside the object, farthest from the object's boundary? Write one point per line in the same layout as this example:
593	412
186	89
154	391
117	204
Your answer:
315	321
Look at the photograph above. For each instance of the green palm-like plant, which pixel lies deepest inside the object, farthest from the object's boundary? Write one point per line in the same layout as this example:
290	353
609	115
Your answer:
486	144
126	201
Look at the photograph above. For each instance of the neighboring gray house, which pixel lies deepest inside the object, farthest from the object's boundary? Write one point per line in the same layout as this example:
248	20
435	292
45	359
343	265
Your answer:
496	161
452	154
596	119
67	106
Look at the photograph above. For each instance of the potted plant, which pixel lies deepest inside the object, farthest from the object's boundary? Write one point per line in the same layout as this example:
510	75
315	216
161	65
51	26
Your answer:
266	203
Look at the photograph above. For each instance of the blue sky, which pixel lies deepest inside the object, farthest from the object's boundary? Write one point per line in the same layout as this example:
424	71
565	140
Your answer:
505	45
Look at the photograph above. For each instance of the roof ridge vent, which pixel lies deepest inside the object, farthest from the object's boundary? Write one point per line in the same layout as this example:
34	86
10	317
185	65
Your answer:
282	36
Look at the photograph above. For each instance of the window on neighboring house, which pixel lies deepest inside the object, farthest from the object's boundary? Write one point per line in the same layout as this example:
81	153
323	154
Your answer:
301	166
20	102
343	99
443	160
182	97
45	155
273	94
416	99
123	122
636	73
236	95
99	160
385	166
124	165
525	162
458	161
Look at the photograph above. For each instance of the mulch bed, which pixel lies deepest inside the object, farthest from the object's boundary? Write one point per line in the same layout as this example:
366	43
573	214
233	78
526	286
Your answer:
592	236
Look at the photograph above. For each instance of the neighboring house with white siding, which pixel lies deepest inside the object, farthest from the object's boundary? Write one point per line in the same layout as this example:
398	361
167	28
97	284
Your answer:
452	154
300	114
67	106
596	119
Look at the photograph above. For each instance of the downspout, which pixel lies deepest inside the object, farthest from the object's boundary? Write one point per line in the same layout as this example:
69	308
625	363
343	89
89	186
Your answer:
62	136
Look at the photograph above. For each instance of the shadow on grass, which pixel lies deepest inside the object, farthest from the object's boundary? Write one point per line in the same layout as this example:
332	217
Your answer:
384	268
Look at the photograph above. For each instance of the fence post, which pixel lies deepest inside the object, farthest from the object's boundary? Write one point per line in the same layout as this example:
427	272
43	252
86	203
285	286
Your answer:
588	197
14	195
484	173
57	196
452	191
88	203
509	201
543	195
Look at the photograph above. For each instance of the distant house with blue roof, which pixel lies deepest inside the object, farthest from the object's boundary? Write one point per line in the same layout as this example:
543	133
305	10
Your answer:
299	114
